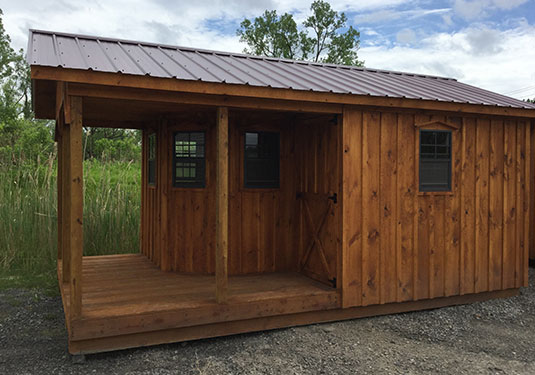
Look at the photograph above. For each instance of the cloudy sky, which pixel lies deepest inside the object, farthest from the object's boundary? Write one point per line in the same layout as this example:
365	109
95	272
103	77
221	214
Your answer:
487	43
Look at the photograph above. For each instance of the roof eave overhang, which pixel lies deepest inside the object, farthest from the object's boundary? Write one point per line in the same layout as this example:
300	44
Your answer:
245	91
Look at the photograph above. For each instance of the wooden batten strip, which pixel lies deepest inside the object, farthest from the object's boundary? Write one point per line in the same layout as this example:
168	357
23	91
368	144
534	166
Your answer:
527	201
222	205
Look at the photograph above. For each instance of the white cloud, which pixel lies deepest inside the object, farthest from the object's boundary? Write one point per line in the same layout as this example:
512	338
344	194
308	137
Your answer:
394	14
480	55
474	9
491	59
406	36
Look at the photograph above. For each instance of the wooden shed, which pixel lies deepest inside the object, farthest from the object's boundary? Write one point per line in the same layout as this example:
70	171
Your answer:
279	193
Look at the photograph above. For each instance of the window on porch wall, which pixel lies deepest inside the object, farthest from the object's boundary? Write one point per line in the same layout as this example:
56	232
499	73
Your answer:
189	159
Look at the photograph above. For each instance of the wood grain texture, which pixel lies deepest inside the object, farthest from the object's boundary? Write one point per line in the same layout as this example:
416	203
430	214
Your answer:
145	82
222	205
75	199
371	212
352	208
468	240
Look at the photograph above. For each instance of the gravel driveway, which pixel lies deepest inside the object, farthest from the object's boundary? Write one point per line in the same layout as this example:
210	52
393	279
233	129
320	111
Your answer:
483	338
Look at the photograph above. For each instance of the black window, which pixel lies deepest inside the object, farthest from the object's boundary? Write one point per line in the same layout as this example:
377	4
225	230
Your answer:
188	160
435	160
261	160
152	159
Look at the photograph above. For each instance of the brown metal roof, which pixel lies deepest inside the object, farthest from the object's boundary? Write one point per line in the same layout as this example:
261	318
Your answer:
46	48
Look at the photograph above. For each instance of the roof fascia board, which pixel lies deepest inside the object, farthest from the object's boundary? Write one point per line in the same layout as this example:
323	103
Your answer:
189	86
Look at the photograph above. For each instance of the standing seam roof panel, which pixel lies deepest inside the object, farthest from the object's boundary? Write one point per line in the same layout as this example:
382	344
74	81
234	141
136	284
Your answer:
84	52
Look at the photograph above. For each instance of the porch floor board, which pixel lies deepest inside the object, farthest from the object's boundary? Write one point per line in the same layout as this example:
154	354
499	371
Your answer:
127	294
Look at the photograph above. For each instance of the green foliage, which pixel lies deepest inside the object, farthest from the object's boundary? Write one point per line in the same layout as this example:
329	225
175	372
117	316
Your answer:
324	36
271	35
112	144
28	216
28	197
22	138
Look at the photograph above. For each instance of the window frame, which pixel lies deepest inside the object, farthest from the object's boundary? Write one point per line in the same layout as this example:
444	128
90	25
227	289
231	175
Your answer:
443	187
153	183
454	125
194	184
245	185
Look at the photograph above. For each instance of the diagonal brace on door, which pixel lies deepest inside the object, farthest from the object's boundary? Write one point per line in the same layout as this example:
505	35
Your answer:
316	231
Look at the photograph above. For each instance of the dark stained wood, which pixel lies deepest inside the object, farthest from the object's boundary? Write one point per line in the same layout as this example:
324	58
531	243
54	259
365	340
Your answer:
75	205
145	82
371	210
407	193
319	217
483	134
352	207
222	205
388	156
496	190
179	307
468	207
65	205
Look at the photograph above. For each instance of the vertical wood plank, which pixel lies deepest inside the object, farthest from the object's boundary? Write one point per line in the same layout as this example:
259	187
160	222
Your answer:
76	206
481	258
452	225
222	207
468	211
519	195
371	209
351	207
388	205
496	185
436	243
509	248
235	199
406	205
164	150
530	155
424	227
143	226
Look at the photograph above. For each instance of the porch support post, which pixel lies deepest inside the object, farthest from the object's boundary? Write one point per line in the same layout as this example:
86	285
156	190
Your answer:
60	196
65	201
222	206
75	204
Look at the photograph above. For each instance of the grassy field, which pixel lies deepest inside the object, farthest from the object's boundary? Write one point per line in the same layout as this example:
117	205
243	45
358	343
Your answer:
28	217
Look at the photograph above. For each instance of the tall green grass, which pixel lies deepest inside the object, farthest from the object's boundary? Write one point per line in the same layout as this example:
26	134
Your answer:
28	216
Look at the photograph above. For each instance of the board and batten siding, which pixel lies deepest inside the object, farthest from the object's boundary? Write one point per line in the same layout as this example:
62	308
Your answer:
402	245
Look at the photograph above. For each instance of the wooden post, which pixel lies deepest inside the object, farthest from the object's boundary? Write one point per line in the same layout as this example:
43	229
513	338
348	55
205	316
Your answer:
221	253
65	204
76	205
59	187
164	159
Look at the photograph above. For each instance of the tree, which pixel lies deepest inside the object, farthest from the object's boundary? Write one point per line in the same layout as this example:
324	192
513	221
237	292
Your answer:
21	136
24	139
323	37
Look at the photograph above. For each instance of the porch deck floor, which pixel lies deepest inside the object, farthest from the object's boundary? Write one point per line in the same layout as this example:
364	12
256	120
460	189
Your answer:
129	284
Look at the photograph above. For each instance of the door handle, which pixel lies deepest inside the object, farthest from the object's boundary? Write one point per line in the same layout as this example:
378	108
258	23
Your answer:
333	197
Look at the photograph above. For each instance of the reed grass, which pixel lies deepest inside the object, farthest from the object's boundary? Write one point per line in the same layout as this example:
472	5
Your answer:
28	216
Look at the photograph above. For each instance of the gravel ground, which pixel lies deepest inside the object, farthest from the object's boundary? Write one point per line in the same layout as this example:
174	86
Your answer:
482	338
